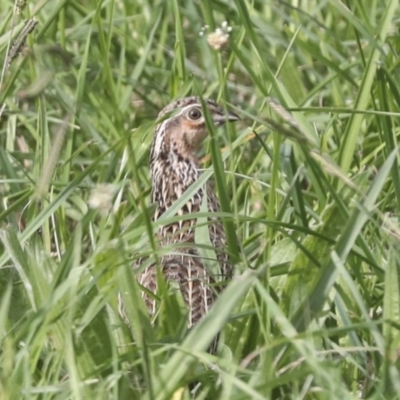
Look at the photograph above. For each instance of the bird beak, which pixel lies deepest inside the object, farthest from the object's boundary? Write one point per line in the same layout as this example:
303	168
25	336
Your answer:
221	119
232	117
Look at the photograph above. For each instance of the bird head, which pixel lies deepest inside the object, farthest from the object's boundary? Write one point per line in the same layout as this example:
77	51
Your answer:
183	125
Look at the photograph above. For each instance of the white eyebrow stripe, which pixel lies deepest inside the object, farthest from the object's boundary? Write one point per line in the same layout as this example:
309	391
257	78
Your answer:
189	107
197	105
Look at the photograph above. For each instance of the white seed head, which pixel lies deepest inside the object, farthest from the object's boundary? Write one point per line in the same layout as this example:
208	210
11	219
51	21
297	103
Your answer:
217	40
101	197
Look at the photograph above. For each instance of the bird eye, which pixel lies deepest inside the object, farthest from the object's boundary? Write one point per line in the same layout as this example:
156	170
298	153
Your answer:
194	113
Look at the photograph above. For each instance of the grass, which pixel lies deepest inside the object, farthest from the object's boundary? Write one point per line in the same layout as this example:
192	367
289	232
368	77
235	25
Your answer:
309	183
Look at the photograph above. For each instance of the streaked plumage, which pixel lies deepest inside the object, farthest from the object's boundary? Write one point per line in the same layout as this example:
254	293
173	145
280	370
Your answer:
174	166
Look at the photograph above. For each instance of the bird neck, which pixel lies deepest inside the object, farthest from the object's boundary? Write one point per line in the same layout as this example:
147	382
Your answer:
171	174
